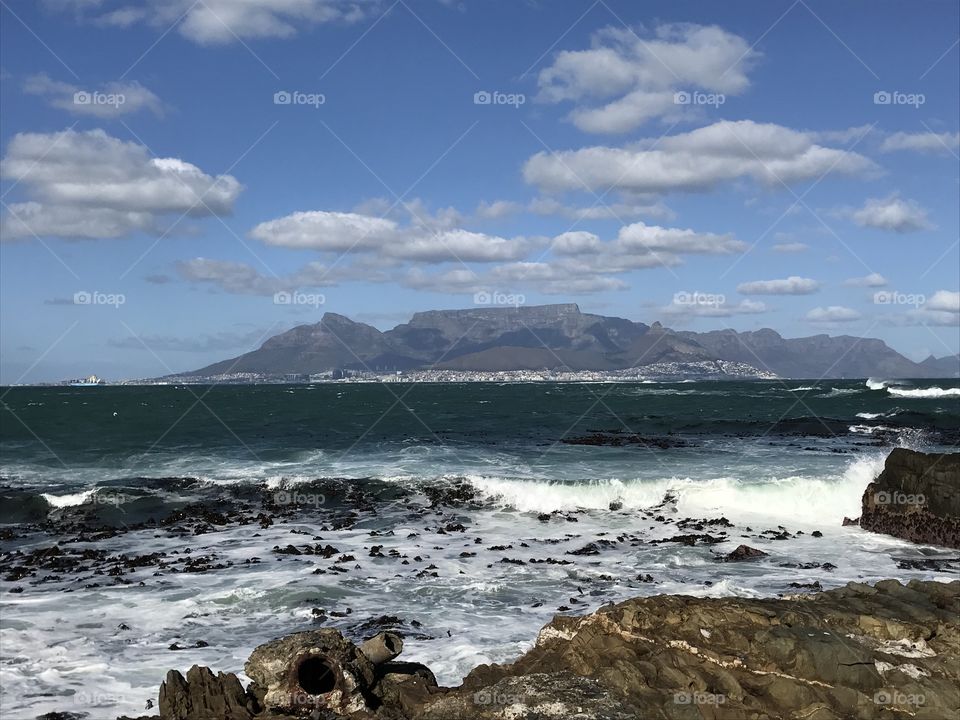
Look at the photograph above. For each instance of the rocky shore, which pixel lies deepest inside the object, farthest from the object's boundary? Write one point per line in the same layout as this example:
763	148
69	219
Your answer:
887	650
860	651
916	498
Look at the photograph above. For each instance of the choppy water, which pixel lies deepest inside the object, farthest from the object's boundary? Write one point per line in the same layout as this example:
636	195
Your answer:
358	466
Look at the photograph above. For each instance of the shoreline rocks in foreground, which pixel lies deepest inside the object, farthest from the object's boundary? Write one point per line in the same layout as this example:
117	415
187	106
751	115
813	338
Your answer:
916	498
860	651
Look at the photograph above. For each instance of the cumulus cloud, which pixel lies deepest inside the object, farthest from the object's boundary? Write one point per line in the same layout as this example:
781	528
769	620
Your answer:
624	80
87	185
894	214
215	22
695	161
940	309
792	285
871	280
639	245
107	101
242	279
944	301
925	142
833	314
341	232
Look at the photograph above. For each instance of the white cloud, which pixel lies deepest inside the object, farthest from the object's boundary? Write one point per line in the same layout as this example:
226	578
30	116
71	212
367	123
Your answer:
242	279
926	142
944	301
871	280
498	209
833	314
226	21
791	247
894	214
639	245
341	232
92	185
107	101
695	161
624	80
711	308
792	285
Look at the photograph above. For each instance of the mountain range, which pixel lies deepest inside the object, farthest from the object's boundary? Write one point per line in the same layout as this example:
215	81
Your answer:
561	337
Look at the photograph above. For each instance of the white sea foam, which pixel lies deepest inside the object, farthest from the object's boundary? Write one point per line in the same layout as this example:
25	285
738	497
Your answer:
876	384
931	392
70	499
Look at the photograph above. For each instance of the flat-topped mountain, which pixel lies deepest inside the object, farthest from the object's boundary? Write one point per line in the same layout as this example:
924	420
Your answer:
560	337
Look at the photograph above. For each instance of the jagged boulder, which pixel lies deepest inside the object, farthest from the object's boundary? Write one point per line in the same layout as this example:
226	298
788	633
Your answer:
205	696
916	498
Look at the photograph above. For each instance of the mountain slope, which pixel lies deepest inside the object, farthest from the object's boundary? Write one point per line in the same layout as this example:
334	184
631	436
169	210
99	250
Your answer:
561	337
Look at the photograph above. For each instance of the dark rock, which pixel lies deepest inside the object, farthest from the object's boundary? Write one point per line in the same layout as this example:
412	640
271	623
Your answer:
203	696
743	552
916	498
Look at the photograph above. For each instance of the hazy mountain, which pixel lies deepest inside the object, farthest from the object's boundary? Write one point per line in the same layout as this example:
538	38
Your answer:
561	337
948	366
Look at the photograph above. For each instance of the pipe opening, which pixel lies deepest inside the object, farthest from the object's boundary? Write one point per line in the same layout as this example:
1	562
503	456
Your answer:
316	675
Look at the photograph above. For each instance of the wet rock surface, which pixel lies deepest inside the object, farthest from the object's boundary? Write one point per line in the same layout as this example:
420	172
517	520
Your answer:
916	498
860	651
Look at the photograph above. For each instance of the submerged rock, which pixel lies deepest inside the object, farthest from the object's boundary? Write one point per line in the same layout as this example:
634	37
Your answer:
916	498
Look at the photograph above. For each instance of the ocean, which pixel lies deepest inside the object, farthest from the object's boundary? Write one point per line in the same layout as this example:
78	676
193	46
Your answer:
136	519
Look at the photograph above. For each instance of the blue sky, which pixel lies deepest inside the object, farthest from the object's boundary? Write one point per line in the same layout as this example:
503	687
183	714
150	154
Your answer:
746	165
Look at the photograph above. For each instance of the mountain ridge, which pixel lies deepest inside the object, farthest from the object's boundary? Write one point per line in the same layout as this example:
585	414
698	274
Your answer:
561	336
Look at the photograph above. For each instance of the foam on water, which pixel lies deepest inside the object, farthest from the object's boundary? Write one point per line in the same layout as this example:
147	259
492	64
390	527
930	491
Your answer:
70	499
931	392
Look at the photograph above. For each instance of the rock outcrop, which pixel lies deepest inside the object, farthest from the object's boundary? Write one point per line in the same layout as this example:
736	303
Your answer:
916	498
867	652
